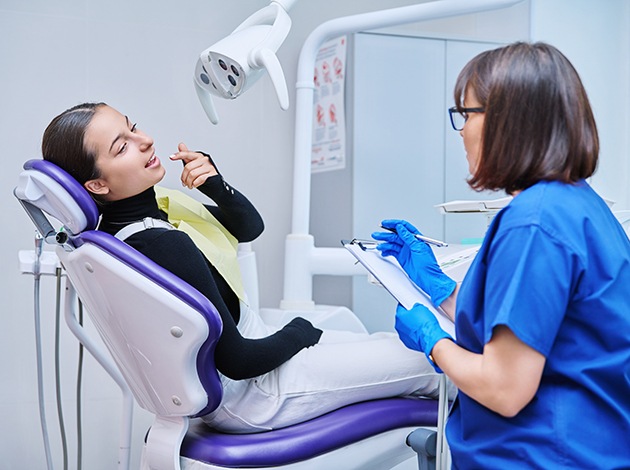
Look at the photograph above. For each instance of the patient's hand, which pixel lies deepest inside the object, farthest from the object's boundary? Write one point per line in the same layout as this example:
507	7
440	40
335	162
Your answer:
197	167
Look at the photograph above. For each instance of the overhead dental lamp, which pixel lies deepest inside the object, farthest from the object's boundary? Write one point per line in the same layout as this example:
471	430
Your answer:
232	65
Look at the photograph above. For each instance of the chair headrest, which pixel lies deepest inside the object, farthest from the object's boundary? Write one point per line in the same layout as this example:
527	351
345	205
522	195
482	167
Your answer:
52	190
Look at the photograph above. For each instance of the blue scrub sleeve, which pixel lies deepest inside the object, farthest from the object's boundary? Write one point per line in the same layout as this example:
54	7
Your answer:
528	285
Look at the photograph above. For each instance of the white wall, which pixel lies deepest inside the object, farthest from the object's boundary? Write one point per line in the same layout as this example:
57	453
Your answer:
595	36
139	57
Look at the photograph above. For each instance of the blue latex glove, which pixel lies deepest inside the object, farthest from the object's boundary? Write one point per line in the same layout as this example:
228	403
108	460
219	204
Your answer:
419	330
416	258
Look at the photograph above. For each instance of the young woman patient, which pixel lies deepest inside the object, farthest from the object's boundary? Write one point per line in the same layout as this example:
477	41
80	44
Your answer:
271	378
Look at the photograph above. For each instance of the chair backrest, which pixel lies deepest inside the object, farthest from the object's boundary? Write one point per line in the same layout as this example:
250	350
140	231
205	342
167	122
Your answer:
160	331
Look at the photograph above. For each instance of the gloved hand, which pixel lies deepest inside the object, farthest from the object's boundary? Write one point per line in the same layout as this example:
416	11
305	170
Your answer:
416	258
419	330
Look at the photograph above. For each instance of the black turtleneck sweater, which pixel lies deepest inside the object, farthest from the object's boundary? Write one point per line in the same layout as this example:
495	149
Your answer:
235	356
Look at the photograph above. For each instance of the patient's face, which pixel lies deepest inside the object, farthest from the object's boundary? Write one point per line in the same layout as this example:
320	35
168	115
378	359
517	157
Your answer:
125	156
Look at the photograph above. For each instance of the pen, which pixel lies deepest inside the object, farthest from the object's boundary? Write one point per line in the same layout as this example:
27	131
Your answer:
430	241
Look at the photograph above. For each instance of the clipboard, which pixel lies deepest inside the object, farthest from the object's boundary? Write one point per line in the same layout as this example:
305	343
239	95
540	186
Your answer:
388	272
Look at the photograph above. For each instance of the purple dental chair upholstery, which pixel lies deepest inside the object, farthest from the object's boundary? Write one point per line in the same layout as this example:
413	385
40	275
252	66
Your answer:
165	349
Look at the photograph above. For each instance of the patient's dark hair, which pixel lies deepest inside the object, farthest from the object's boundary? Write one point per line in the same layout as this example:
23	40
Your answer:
63	142
538	121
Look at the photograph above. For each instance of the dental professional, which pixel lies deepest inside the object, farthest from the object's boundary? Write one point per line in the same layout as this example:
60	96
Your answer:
542	318
271	377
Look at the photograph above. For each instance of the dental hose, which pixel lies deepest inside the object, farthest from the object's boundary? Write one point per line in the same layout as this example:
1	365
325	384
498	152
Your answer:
39	243
62	427
79	381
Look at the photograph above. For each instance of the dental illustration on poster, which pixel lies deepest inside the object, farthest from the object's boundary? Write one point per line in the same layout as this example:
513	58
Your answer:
329	138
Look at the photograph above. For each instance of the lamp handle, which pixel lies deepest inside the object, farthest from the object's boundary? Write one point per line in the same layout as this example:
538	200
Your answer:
267	59
206	103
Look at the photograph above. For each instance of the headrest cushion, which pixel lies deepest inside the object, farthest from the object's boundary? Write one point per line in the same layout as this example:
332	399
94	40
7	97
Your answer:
72	186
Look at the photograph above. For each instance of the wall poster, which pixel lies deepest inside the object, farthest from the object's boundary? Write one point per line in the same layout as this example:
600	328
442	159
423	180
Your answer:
329	127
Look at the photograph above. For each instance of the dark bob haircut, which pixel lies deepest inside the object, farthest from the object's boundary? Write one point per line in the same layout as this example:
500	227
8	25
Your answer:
538	121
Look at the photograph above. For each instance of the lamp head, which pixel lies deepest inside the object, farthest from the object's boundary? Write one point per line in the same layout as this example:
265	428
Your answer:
231	66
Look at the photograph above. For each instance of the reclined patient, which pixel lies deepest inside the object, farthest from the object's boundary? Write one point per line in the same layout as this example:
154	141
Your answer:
271	378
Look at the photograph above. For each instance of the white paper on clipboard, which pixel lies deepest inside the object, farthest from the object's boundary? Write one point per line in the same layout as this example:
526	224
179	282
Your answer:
388	272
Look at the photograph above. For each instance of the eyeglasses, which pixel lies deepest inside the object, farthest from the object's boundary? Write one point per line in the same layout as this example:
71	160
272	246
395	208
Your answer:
459	118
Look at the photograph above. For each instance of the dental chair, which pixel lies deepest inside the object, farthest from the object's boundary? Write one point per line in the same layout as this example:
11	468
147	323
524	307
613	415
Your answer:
161	334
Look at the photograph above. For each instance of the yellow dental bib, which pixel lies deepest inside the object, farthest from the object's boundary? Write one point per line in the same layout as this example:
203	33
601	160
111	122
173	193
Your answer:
212	239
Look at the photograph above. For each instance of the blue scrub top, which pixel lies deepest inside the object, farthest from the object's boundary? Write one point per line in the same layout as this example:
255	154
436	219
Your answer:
554	267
